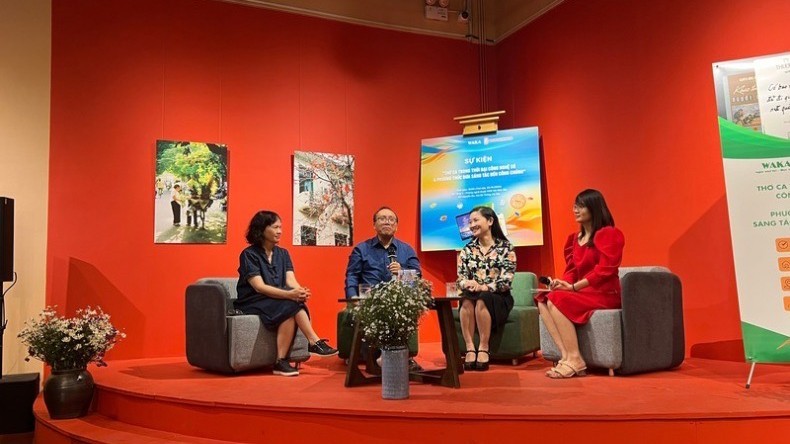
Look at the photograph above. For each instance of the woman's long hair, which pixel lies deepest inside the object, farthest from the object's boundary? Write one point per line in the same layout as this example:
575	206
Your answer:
496	229
259	223
599	213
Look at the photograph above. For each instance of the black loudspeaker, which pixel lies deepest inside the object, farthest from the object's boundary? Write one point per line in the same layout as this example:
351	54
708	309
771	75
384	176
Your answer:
6	239
17	394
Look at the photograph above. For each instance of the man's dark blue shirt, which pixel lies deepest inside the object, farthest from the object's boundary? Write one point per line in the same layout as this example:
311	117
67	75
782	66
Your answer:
369	261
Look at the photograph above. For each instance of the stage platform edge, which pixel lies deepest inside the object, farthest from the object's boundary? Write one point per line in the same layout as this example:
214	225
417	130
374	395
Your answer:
166	400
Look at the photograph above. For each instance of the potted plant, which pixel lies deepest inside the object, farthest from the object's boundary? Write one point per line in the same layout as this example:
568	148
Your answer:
68	345
388	317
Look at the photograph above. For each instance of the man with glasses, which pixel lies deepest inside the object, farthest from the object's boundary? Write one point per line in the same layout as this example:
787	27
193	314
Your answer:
380	258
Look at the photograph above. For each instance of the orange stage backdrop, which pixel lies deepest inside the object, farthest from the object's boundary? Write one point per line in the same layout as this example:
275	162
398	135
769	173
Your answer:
622	93
126	73
623	101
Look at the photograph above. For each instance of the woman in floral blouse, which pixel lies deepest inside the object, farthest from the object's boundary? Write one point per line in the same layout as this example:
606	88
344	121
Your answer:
485	273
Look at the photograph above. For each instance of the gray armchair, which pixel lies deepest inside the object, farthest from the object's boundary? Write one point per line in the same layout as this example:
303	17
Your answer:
220	340
646	334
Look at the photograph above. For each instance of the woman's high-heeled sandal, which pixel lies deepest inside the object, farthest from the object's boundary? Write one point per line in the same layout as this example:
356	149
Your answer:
470	365
566	370
482	366
554	368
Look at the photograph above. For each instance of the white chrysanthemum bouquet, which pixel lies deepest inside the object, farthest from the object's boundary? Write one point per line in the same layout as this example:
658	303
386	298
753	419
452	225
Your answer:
392	312
70	343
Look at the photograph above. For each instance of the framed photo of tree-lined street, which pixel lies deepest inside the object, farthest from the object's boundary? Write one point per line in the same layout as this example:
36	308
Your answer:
190	193
323	199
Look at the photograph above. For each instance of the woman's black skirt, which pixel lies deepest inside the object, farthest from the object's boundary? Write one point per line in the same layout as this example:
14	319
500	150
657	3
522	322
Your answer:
498	304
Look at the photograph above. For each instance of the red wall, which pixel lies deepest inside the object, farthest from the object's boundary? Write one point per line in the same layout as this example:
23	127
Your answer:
621	90
126	73
623	94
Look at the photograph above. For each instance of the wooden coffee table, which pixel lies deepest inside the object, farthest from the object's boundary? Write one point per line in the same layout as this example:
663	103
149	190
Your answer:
447	376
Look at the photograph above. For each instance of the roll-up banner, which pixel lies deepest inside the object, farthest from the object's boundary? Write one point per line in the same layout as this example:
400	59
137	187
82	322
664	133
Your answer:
753	101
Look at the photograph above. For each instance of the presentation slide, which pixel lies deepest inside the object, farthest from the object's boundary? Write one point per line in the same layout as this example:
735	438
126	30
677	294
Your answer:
458	173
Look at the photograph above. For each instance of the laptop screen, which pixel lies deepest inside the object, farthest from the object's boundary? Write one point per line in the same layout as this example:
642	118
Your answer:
462	220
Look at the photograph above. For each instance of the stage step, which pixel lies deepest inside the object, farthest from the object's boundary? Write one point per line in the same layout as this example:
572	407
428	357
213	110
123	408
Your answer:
99	429
167	400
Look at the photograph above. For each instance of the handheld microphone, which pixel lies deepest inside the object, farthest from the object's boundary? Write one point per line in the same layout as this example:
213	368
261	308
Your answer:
393	258
391	254
545	280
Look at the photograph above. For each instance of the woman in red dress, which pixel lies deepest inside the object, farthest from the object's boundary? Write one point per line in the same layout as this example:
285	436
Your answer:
590	282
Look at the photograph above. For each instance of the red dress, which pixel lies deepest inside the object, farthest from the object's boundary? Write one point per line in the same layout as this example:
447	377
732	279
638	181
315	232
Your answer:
599	265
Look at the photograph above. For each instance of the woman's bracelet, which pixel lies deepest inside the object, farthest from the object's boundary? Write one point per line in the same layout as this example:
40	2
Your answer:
573	286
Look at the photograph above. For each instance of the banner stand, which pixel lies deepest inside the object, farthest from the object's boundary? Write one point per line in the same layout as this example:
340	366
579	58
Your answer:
753	104
751	373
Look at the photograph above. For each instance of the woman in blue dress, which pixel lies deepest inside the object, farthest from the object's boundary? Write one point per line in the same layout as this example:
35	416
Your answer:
268	288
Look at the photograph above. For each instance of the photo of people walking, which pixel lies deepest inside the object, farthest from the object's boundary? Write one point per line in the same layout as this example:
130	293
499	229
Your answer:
190	192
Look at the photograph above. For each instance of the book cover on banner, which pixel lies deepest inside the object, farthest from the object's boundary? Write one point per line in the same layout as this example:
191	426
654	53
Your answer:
744	109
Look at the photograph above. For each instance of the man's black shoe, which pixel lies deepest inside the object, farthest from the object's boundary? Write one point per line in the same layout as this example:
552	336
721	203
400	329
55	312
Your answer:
321	348
284	368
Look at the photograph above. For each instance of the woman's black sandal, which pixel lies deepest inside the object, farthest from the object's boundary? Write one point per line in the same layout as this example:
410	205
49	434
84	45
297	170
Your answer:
482	366
470	365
